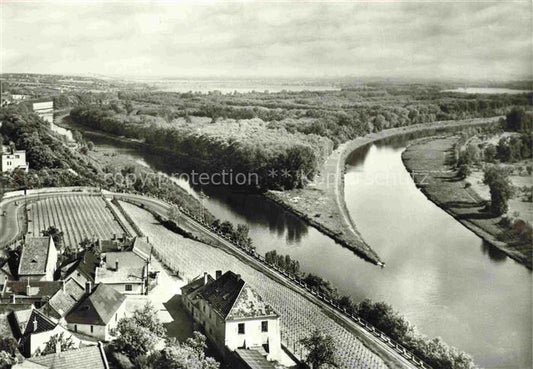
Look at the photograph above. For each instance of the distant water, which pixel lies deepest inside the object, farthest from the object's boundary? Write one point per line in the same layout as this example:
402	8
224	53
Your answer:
487	90
241	86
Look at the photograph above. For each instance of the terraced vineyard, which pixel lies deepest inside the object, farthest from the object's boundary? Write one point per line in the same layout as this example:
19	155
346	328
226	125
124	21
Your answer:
77	216
299	316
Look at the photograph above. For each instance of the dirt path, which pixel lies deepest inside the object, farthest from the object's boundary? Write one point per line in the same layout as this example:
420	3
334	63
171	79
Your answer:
322	203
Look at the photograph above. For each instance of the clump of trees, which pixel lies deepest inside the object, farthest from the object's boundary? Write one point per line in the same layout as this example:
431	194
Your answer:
139	338
320	350
239	234
519	120
284	262
501	189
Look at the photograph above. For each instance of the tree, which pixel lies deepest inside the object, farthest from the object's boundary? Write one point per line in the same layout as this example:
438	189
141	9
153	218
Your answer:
241	235
6	360
189	354
518	120
76	136
55	233
320	350
174	213
501	189
139	334
65	342
490	153
90	145
464	171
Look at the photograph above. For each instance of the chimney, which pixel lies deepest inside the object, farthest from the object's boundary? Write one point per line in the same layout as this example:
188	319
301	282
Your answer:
218	274
13	298
238	277
116	265
205	278
34	324
114	236
88	287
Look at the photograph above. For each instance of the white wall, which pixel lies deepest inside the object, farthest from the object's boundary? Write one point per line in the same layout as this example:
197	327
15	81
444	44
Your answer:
39	340
100	332
13	161
253	336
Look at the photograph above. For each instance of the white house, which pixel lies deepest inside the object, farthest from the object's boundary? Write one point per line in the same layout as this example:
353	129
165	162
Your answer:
38	259
98	313
45	110
13	160
233	315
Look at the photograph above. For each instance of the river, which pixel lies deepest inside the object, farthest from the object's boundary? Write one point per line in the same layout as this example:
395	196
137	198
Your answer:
439	275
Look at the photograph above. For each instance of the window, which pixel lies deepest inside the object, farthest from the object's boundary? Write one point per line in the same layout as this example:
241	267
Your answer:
92	329
129	287
264	326
75	327
241	328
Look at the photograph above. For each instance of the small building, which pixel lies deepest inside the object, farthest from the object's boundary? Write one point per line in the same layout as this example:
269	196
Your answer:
45	110
233	315
126	268
98	312
33	330
13	160
90	357
38	259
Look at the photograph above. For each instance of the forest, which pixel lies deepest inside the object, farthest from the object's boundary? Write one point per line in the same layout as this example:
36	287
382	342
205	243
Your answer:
292	131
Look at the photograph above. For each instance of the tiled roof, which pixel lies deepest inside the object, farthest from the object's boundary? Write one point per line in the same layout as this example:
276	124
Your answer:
37	288
254	360
249	304
64	300
141	247
90	357
222	293
194	285
35	256
130	268
98	308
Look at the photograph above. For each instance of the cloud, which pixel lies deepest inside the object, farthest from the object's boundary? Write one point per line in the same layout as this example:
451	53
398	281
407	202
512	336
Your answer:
399	39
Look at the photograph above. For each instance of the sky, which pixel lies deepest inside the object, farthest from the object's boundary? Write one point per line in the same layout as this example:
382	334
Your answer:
398	39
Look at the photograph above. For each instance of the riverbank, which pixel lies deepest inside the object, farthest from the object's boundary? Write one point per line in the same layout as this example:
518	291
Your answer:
321	203
428	161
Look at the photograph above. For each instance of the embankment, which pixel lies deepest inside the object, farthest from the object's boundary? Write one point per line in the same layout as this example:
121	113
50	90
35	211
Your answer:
428	161
321	203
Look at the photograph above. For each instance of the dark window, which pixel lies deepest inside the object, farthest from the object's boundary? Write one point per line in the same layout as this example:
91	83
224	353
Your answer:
241	328
129	287
75	327
92	329
264	326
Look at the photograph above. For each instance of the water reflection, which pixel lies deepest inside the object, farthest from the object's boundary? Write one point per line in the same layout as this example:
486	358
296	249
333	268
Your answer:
493	252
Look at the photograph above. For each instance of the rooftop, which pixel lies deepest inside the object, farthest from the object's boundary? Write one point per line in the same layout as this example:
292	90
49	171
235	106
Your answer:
64	300
254	359
230	296
97	308
130	268
34	258
90	357
37	288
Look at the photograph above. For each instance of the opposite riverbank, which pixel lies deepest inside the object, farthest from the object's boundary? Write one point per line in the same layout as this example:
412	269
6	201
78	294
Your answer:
429	162
321	203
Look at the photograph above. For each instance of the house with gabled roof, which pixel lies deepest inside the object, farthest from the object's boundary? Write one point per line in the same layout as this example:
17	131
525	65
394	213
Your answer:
126	268
64	300
90	357
98	312
38	259
233	315
33	329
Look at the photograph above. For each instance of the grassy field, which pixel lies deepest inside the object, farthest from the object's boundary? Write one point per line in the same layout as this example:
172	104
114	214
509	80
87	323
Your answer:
430	162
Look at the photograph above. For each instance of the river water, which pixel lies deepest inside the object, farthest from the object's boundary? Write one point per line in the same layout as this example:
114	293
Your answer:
439	275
